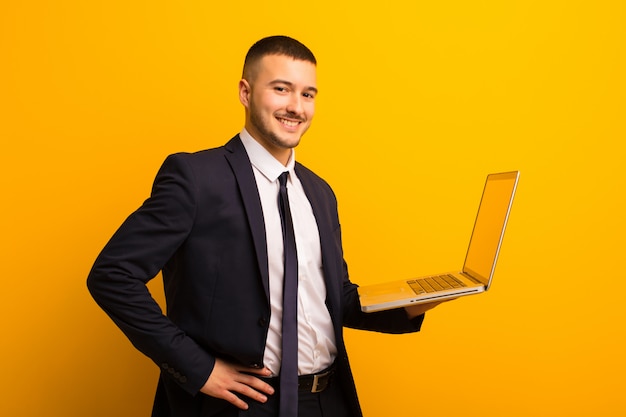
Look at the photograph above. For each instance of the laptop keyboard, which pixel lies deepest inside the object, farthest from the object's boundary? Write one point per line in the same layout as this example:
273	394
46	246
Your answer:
435	283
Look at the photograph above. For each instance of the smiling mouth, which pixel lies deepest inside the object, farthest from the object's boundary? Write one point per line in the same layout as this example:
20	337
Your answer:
289	123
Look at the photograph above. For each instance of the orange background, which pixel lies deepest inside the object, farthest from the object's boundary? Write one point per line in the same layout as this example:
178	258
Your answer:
419	101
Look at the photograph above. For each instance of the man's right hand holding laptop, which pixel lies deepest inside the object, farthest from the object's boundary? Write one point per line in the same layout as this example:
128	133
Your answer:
419	309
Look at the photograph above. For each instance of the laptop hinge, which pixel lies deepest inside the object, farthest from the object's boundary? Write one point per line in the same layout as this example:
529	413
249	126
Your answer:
471	278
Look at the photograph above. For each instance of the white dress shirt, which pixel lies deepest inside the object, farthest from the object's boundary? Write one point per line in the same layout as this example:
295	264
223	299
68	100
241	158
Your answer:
316	339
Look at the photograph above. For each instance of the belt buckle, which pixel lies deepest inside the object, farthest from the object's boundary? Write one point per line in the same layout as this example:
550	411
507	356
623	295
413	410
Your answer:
316	382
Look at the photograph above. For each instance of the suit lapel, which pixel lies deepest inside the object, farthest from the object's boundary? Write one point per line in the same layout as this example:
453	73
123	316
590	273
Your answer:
240	164
332	258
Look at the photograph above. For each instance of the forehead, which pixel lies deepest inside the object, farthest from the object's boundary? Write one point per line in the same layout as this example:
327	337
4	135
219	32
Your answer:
282	67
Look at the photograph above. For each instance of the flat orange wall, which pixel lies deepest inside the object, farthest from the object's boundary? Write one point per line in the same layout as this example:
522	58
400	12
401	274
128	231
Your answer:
419	101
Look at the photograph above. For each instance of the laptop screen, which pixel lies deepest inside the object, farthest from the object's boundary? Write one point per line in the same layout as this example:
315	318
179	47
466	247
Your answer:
491	219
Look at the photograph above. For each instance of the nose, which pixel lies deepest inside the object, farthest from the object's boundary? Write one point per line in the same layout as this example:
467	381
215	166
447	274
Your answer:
294	106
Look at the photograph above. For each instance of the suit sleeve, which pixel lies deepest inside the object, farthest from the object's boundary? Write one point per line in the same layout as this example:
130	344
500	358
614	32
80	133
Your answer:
390	321
134	255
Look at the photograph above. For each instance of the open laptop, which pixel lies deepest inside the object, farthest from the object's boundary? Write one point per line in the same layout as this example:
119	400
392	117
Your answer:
480	261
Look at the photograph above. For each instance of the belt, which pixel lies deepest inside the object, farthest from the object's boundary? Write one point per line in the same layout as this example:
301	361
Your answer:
313	383
316	382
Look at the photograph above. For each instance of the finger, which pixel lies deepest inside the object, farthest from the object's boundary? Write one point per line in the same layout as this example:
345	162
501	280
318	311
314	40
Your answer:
229	382
256	383
249	392
226	390
234	400
256	371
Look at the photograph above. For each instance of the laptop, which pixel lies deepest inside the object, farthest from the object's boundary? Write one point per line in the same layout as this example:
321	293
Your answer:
480	261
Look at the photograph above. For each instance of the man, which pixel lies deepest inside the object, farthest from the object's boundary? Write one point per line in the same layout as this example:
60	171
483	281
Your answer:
214	227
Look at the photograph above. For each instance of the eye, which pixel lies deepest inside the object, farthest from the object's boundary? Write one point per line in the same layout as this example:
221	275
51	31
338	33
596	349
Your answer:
308	95
280	89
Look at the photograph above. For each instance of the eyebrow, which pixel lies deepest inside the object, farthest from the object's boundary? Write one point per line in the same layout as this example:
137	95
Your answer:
290	84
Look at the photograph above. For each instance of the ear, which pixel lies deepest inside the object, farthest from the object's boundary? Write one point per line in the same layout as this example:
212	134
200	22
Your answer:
244	92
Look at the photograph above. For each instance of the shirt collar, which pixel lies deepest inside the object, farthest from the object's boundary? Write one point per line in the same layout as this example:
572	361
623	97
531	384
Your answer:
262	160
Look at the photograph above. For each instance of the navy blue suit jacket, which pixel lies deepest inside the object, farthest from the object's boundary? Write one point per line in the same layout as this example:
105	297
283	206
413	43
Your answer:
203	228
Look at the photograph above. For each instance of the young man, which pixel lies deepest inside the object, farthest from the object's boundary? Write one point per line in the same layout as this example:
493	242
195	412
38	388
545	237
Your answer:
214	226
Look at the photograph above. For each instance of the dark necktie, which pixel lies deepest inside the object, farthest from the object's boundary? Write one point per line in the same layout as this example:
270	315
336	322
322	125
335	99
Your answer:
288	404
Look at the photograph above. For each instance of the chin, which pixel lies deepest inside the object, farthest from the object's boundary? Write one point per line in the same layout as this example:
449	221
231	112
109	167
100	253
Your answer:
290	144
289	141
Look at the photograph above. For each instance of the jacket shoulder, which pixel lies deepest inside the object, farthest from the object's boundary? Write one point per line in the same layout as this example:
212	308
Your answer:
206	158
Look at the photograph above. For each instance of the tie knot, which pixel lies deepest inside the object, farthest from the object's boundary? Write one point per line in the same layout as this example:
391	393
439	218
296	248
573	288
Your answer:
282	179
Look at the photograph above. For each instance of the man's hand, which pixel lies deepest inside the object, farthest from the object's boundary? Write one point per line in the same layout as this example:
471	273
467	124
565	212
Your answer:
419	309
227	380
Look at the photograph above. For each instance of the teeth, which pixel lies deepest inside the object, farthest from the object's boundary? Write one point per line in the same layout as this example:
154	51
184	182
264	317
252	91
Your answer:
289	123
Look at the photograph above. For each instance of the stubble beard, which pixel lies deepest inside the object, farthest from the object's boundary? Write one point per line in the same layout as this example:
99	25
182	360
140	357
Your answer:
272	138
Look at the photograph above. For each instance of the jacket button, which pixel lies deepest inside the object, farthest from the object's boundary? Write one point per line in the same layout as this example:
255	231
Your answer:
256	366
262	322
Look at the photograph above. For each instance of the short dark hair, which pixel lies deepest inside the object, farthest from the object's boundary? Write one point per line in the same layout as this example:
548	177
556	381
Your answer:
277	45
